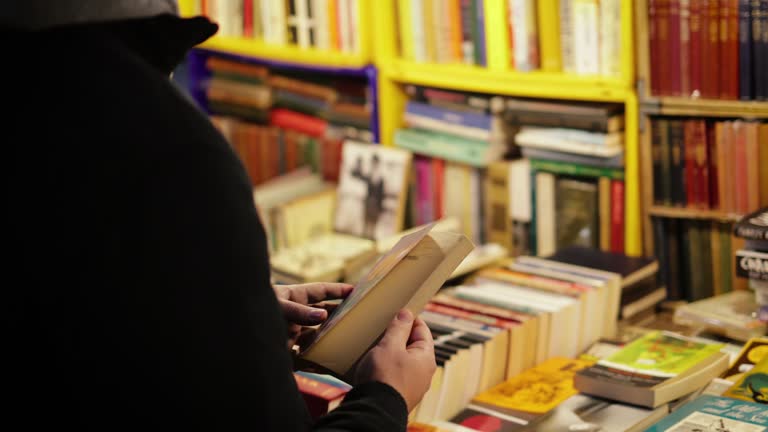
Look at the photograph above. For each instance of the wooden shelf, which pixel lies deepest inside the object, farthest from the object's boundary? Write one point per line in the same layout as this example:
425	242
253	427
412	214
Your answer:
705	107
554	85
693	213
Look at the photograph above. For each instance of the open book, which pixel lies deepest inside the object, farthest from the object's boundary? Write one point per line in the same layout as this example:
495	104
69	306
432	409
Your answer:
407	276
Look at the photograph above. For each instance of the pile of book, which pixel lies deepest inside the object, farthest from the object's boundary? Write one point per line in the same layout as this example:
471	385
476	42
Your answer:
706	164
321	24
752	259
454	136
576	155
687	38
278	120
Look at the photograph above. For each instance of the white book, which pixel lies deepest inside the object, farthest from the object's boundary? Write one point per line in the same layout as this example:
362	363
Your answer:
417	27
578	135
345	30
610	37
566	36
545	214
302	22
534	140
520	190
523	23
586	37
322	23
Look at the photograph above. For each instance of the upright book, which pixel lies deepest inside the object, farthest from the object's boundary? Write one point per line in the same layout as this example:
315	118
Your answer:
654	369
406	277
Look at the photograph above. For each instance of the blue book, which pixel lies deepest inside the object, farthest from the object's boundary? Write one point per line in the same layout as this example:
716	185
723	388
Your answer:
715	413
468	119
481	54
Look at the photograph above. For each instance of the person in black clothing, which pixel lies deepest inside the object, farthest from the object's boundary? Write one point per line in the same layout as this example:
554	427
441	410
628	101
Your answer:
137	291
374	198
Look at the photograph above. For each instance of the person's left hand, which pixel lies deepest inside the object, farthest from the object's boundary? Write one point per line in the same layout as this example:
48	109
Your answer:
301	305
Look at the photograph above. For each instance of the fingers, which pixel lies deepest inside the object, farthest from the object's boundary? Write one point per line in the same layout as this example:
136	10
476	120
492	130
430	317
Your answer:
421	337
300	314
316	292
399	330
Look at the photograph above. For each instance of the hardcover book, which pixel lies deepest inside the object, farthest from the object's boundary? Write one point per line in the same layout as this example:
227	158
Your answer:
753	226
654	369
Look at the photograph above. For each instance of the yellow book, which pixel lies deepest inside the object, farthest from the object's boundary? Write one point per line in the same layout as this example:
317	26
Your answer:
753	385
404	18
430	29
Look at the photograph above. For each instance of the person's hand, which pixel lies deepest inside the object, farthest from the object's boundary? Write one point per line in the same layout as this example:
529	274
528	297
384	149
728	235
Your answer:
404	358
302	305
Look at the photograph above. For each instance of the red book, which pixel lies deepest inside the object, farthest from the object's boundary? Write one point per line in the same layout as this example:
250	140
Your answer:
702	162
438	168
714	195
740	173
298	122
330	163
694	48
291	151
472	316
691	174
617	216
448	300
653	45
732	90
710	49
248	18
675	49
664	50
321	396
685	47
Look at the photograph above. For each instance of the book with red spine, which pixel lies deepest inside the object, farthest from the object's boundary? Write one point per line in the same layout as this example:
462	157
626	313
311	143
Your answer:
617	216
247	18
320	394
653	45
694	48
298	122
732	41
438	170
675	48
740	174
663	70
710	48
472	316
702	162
685	47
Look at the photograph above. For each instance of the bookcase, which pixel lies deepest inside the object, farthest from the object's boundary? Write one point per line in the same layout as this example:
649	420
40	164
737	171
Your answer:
380	60
499	78
696	183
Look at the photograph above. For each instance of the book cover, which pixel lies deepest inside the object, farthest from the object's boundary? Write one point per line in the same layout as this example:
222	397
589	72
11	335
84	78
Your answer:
752	265
753	226
715	413
730	314
753	351
576	213
631	269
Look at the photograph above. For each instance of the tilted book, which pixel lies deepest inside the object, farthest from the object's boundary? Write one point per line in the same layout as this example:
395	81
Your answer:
715	413
406	277
654	369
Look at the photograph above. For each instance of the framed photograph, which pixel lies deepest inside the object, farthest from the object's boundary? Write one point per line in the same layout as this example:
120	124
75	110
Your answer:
372	188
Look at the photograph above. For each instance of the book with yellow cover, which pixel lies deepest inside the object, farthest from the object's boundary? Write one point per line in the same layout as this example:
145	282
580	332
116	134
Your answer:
753	385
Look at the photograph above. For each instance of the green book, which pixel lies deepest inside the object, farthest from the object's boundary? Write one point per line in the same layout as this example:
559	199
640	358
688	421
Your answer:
577	170
695	260
576	213
706	264
654	369
726	273
478	153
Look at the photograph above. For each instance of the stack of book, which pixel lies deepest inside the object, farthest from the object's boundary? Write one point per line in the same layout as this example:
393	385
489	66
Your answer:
454	136
322	24
576	156
752	259
687	38
278	119
704	164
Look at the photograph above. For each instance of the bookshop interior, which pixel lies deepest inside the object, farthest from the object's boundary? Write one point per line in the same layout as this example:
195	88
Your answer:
571	194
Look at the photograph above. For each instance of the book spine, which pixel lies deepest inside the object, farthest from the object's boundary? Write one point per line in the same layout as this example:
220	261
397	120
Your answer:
690	168
702	162
479	34
497	204
733	50
604	198
711	49
695	56
656	150
664	52
725	56
685	47
454	10
438	187
610	37
677	162
472	120
741	183
746	91
617	216
299	122
449	147
675	49
752	159
571	169
476	317
598	123
586	38
566	36
467	31
713	165
763	162
761	73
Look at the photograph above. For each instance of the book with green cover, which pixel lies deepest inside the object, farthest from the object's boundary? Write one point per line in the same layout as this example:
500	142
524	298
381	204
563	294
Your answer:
478	153
654	369
574	169
576	213
716	414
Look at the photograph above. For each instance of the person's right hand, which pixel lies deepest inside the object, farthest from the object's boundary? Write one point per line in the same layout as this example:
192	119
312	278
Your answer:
404	358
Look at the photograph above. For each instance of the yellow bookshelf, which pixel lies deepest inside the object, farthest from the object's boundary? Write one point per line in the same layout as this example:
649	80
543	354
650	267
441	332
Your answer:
289	53
499	78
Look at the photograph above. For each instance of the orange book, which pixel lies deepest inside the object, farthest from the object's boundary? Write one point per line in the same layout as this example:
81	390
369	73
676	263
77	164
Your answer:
219	64
727	130
739	152
320	393
333	25
454	12
739	283
751	173
763	162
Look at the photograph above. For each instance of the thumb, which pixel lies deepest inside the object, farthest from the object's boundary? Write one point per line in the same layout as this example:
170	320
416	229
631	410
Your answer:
399	330
298	313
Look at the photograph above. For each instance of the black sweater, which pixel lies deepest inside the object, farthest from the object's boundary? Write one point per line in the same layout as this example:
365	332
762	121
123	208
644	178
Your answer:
138	291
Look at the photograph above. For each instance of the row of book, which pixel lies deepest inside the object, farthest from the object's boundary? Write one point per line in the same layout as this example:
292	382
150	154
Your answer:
454	31
713	49
323	24
708	164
